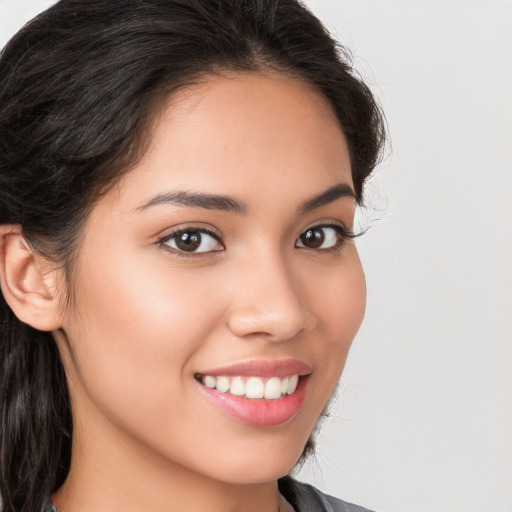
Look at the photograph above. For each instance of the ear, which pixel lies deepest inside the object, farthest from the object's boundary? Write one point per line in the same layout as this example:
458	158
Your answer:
28	281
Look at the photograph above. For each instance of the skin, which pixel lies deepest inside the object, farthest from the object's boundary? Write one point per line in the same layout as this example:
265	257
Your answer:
145	319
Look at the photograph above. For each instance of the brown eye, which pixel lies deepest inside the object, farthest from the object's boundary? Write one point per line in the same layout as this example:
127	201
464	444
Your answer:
188	241
320	237
193	240
312	238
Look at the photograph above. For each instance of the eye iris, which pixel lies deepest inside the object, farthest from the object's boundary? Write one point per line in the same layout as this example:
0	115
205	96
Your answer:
188	241
313	238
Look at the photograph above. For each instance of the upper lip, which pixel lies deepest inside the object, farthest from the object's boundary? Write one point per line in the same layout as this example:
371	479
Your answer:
263	368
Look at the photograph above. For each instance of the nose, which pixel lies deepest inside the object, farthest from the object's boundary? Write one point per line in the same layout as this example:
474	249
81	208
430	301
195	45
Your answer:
269	303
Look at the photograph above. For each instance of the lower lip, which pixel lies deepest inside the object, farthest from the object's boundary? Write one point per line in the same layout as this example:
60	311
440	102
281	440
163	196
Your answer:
259	411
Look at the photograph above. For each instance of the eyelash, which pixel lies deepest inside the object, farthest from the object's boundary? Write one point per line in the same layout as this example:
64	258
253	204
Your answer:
162	242
343	234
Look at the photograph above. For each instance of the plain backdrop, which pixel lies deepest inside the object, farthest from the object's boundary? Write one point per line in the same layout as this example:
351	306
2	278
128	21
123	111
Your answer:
423	418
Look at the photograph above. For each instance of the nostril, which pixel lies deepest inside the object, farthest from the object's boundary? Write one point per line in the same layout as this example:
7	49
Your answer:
276	327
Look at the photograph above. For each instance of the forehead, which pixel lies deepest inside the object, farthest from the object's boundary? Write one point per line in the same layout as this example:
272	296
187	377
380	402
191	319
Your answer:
242	135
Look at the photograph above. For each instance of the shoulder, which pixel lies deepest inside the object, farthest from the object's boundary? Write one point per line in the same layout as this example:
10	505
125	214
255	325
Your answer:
306	498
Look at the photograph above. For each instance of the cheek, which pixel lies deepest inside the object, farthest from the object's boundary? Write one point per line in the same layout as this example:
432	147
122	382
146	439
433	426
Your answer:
136	330
347	303
340	305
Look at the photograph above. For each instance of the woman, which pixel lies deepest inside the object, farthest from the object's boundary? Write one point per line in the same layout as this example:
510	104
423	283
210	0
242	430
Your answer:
178	185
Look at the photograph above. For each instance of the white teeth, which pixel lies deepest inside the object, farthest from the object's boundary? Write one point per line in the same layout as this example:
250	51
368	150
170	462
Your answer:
210	381
284	386
273	388
252	387
292	384
237	387
223	384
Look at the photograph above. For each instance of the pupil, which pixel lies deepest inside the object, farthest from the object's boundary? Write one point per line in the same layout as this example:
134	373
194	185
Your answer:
188	241
313	238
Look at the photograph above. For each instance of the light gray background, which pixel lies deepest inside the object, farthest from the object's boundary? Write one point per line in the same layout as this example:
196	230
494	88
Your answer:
423	422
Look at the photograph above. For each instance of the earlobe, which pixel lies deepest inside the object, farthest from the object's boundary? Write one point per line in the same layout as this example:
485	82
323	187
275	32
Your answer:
28	284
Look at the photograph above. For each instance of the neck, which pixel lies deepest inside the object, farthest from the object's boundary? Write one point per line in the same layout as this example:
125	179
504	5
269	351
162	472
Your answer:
121	475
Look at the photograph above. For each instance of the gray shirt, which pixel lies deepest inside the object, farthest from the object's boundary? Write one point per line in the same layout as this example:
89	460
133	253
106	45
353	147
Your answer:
306	498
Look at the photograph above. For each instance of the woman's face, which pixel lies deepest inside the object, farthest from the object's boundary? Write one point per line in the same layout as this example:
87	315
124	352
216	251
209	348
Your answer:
219	260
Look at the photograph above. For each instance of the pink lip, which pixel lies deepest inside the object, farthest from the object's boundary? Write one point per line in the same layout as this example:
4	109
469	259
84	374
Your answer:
263	368
259	412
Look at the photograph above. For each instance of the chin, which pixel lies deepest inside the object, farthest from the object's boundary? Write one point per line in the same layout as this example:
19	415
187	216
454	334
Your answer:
259	464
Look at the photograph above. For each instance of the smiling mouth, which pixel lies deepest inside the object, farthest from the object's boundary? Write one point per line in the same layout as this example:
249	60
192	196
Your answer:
251	387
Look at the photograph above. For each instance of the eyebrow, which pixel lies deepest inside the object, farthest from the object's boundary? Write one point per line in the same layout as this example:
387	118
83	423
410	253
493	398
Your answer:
327	196
197	200
230	204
